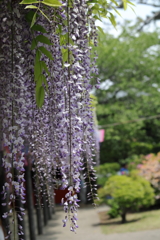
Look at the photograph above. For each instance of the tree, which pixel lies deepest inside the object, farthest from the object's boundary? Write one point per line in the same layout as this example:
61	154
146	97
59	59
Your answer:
127	194
129	69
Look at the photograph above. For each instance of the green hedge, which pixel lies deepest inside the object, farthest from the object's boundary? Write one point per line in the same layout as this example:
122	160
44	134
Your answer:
108	168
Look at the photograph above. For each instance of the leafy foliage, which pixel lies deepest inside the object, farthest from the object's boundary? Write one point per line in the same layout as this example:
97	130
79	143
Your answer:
108	168
114	210
41	70
126	192
129	69
51	3
132	162
104	171
98	8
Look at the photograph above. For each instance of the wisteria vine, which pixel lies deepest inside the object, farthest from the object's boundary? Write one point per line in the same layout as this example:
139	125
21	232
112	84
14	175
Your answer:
50	65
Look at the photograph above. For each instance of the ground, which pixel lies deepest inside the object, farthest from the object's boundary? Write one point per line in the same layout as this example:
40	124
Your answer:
140	221
90	228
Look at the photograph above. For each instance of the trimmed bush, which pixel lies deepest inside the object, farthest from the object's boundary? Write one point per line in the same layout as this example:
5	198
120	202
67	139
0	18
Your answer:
127	193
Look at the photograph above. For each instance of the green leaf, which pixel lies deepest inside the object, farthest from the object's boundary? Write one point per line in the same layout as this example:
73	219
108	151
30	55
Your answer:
39	28
42	80
96	17
93	1
38	56
33	20
115	2
131	3
116	11
100	29
46	52
37	66
33	44
63	39
29	15
44	14
64	55
52	3
40	96
31	7
43	39
44	66
124	4
45	82
112	19
29	1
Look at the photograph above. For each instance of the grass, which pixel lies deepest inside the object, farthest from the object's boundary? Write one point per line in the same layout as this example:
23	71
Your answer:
135	222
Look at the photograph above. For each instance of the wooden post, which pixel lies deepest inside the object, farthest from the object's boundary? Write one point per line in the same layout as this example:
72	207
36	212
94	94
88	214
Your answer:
45	212
3	209
49	212
38	203
17	208
39	220
30	208
38	212
51	209
53	202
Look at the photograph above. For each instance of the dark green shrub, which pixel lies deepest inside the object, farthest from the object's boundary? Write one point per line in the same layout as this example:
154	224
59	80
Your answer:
106	170
132	161
101	180
114	211
127	192
148	190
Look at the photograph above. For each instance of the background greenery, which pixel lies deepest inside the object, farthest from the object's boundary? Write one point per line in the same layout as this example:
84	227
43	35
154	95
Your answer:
130	63
124	193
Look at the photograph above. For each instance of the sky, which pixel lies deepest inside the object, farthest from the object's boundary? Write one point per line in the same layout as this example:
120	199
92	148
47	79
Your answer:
141	11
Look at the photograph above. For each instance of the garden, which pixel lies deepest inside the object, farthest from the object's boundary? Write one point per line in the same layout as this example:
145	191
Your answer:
128	112
133	195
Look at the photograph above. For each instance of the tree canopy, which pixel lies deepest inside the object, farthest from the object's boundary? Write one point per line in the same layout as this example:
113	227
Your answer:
129	69
127	193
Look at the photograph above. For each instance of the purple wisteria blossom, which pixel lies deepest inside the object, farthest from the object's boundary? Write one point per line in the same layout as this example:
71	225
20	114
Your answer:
60	134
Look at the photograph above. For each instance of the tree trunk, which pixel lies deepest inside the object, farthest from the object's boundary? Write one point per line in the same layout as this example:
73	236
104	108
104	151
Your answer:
123	216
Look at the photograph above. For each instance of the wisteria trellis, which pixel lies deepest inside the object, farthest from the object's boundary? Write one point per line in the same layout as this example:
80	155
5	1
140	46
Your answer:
60	132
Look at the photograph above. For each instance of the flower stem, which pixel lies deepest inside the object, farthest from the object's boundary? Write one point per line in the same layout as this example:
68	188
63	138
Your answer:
69	94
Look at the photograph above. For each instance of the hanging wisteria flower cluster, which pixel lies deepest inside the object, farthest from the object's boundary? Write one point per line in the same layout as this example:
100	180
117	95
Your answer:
60	133
46	113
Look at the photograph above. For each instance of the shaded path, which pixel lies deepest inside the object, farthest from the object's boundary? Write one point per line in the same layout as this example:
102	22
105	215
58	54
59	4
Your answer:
89	228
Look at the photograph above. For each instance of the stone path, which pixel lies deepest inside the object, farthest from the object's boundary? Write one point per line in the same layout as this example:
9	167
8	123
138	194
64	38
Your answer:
89	228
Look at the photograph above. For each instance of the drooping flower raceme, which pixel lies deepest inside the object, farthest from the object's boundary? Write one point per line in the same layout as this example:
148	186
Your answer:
60	134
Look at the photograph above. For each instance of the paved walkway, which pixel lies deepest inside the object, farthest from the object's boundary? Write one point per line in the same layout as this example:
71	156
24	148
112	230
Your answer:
89	228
